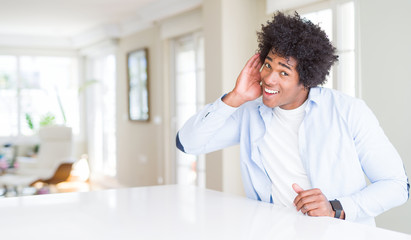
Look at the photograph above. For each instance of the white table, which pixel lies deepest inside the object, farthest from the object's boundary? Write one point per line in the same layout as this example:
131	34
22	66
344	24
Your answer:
167	212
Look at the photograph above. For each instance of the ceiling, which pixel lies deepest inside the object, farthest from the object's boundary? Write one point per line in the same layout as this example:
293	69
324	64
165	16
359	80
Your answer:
71	20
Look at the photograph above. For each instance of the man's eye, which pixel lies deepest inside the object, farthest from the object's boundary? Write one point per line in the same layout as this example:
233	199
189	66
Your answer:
284	73
267	65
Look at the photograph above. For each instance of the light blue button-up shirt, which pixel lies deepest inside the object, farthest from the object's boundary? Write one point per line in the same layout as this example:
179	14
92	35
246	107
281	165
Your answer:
340	140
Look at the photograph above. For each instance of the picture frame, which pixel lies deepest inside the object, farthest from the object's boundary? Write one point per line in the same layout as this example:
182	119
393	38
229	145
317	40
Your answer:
138	82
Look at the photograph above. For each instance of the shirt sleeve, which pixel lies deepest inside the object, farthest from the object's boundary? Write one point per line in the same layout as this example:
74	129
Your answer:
382	165
215	127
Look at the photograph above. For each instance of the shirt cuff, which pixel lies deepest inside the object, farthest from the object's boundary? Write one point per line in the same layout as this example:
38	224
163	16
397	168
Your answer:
220	108
349	208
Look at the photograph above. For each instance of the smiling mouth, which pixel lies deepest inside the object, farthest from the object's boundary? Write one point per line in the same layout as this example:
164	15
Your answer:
269	91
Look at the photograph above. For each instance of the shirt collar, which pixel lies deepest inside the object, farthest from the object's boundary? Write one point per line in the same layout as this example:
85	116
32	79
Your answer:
264	110
313	96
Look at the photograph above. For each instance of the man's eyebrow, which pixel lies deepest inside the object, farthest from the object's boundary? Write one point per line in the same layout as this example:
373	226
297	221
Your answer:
284	65
269	58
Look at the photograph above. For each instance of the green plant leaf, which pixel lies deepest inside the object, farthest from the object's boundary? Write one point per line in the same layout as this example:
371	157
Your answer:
47	119
29	121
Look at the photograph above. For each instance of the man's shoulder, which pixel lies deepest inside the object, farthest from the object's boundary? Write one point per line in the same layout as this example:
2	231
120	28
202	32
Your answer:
332	96
341	102
253	106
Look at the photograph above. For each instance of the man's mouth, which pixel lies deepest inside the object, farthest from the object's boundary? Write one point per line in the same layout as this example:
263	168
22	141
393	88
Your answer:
269	91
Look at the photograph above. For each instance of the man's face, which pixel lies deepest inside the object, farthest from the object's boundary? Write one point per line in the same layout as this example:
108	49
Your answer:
280	83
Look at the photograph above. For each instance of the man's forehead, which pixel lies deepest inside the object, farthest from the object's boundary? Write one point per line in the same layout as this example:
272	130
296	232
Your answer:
272	56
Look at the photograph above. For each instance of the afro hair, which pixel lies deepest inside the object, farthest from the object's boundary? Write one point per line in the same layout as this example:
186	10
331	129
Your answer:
292	36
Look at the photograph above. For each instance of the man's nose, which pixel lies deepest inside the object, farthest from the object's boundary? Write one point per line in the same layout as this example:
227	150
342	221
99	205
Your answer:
272	78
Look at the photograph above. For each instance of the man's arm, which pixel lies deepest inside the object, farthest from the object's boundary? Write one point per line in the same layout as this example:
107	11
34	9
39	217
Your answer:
216	126
380	162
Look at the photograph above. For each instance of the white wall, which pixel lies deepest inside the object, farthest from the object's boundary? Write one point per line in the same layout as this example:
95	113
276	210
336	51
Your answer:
229	28
385	48
144	149
171	28
230	40
139	145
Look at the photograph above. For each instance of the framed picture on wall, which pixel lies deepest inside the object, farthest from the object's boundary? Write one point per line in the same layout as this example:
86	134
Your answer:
137	71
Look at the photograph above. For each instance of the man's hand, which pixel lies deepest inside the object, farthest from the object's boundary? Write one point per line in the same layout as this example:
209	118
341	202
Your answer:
247	87
313	202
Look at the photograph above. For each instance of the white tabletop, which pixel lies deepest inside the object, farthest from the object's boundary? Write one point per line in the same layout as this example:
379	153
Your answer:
167	212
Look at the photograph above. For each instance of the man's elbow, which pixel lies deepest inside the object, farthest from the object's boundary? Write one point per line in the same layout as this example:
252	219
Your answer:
404	194
178	143
406	187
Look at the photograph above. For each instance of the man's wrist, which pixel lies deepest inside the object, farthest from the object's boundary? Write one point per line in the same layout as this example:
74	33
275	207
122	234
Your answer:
342	215
337	209
232	99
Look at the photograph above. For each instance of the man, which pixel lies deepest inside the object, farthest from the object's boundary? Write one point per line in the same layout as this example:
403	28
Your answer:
301	145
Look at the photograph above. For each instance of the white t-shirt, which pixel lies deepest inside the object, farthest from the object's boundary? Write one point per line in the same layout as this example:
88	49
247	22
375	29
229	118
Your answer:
280	154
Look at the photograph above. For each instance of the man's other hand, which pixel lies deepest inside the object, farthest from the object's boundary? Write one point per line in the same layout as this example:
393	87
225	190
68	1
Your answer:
312	202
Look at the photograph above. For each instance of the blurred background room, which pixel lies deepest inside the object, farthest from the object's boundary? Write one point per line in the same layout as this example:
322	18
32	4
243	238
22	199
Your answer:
93	92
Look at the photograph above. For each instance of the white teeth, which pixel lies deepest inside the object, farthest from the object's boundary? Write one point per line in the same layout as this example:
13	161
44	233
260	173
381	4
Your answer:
270	91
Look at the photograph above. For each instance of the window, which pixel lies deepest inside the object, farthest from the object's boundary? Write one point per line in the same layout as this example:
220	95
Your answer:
324	19
189	97
101	114
346	48
337	19
40	88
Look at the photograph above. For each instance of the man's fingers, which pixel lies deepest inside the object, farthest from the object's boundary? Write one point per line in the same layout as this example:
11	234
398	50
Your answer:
315	212
297	188
306	200
306	193
317	209
260	64
312	202
252	60
257	62
310	208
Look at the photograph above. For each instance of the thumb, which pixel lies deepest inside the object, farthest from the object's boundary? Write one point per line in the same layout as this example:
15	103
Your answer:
297	188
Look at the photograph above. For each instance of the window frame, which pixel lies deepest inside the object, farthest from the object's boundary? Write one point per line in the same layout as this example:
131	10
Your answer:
102	167
23	52
200	102
334	6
